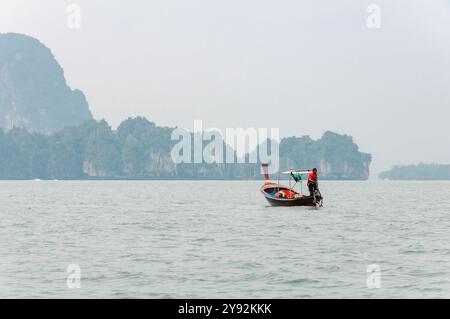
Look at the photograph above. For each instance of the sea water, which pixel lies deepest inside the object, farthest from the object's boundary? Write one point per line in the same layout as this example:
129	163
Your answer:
196	239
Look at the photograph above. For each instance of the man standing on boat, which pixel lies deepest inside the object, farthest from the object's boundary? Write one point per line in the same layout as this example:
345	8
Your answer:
312	182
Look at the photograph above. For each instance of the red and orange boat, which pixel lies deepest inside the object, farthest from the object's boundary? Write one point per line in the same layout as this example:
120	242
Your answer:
279	195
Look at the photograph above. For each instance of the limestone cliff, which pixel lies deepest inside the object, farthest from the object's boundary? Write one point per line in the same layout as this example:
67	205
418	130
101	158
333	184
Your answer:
33	90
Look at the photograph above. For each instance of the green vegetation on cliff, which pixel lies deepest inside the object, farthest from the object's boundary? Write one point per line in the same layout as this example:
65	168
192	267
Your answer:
336	156
418	172
139	149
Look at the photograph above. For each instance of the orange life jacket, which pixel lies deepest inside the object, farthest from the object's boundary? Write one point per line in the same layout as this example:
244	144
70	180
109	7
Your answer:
312	177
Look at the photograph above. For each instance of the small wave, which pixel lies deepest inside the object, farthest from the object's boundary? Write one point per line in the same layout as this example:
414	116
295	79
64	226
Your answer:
301	281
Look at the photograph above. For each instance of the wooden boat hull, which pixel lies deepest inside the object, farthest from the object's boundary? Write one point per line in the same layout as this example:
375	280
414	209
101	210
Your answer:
302	201
298	200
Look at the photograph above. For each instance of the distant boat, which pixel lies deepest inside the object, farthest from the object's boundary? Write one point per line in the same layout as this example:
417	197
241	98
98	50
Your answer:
279	195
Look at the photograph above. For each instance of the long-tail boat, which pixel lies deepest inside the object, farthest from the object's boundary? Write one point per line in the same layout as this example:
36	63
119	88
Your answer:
280	195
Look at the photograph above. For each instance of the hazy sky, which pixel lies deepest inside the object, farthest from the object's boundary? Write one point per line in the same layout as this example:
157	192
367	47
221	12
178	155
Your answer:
302	66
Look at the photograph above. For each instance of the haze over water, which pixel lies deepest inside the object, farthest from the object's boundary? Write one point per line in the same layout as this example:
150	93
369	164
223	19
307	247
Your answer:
221	240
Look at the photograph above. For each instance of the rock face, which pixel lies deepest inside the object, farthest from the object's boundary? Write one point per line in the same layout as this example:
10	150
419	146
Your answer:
336	156
33	91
